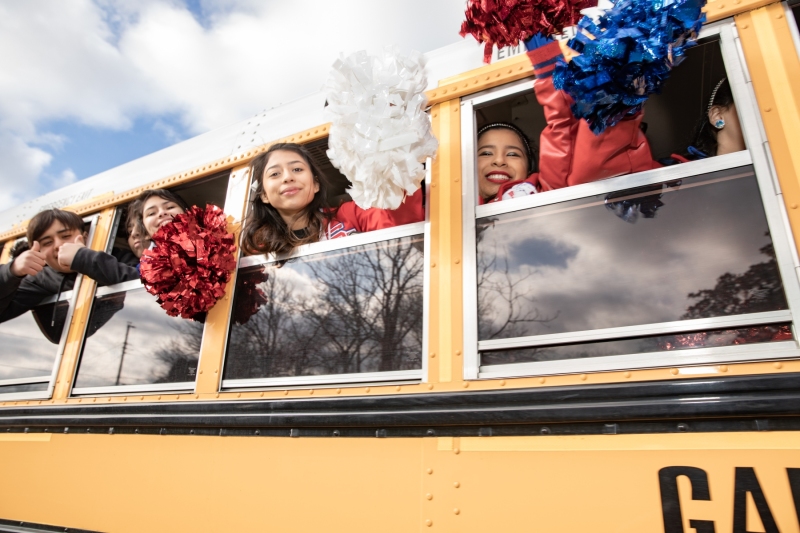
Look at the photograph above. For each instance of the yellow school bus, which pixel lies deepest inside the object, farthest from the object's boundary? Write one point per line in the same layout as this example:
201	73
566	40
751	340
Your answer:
614	356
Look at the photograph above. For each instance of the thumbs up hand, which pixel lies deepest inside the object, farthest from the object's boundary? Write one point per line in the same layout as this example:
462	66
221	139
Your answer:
67	251
29	263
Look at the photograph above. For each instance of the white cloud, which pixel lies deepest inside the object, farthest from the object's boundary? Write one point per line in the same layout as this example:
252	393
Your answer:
105	63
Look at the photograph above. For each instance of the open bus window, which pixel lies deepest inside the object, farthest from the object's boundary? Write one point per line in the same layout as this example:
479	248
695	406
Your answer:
131	341
211	190
671	120
352	314
682	264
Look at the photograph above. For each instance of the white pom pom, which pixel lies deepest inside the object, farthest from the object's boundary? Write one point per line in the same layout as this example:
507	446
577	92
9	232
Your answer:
380	134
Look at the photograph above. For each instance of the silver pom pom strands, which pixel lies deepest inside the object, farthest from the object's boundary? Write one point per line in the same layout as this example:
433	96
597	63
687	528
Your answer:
380	134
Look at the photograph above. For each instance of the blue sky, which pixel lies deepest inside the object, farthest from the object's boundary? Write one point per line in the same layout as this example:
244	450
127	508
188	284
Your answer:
92	84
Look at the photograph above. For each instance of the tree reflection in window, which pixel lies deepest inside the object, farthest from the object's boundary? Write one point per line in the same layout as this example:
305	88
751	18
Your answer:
349	311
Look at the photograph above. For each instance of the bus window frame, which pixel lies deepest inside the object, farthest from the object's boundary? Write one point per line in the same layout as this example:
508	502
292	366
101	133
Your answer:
757	154
72	297
125	286
793	22
400	377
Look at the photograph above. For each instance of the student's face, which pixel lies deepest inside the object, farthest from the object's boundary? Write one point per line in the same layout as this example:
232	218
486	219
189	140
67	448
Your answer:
52	239
289	186
137	240
501	159
158	211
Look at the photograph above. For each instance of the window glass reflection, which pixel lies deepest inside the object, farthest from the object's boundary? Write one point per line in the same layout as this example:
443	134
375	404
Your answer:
655	343
29	387
693	248
30	341
136	343
348	311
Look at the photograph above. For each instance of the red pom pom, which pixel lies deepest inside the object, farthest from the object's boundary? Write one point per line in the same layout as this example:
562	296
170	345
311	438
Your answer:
507	22
191	262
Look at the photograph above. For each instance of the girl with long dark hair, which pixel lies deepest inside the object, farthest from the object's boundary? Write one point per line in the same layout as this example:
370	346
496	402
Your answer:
290	205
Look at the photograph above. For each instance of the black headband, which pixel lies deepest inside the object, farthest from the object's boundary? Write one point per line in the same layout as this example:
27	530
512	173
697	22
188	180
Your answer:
519	132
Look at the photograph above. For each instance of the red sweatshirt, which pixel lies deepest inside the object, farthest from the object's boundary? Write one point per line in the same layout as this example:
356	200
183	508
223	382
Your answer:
351	219
569	153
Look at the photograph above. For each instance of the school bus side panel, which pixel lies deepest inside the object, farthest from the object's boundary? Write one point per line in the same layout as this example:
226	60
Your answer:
136	483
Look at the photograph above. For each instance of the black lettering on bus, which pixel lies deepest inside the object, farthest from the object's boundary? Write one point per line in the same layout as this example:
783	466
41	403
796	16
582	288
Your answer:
746	481
794	484
670	503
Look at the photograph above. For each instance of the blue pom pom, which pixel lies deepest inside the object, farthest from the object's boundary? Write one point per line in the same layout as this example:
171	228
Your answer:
637	43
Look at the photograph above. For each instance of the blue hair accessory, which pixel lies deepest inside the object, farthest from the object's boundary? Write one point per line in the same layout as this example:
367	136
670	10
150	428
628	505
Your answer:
635	46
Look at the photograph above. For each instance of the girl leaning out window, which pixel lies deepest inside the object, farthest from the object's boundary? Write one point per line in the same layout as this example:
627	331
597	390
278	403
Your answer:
290	205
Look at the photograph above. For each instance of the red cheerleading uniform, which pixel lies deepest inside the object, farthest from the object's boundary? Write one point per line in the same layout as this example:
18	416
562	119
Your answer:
351	219
569	153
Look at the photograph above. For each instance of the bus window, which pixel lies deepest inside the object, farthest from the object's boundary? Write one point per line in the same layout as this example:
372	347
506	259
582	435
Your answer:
136	343
511	117
346	315
34	340
131	344
31	344
682	264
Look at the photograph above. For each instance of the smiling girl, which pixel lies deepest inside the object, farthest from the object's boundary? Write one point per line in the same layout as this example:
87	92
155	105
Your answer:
290	205
570	154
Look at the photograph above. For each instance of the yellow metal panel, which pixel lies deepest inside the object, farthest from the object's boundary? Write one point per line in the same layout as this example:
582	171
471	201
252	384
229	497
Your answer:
5	255
775	70
137	483
83	306
215	333
720	9
601	487
445	327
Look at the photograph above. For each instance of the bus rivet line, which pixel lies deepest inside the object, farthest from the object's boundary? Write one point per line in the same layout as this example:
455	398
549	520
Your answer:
456	451
431	433
258	432
545	431
429	471
456	511
336	433
429	496
429	522
456	484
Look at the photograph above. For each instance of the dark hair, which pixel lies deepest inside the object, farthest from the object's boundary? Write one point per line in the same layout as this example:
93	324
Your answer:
704	136
133	217
42	221
136	208
265	231
530	149
19	247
